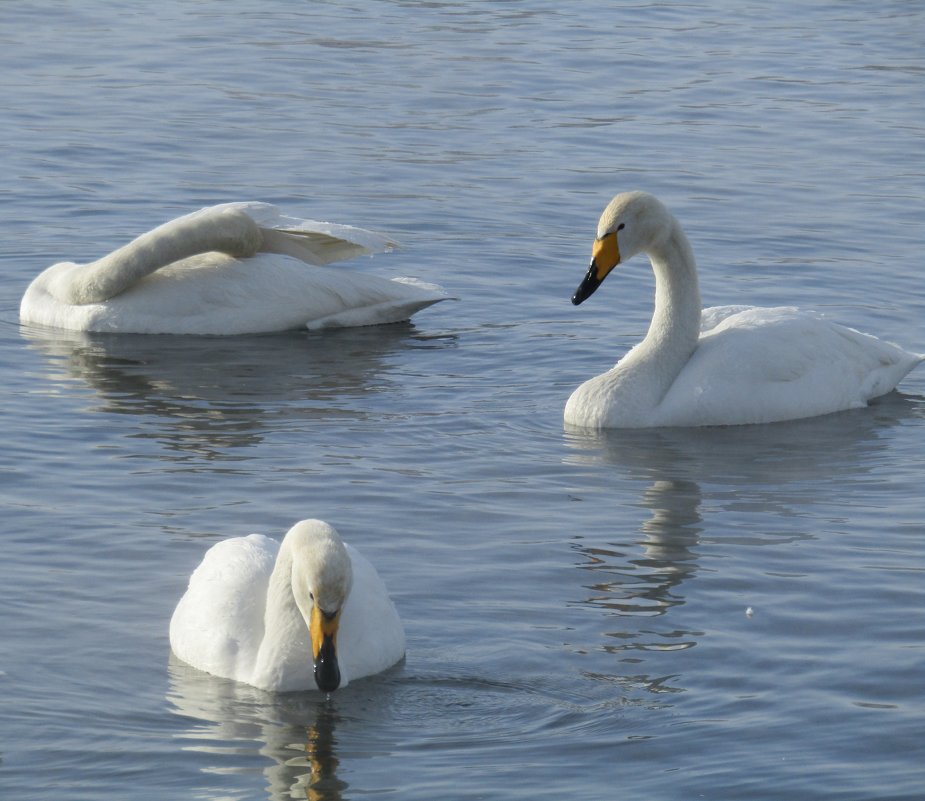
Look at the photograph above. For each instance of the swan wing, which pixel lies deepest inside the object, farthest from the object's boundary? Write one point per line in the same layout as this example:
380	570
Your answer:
371	636
310	241
713	316
218	624
216	294
763	365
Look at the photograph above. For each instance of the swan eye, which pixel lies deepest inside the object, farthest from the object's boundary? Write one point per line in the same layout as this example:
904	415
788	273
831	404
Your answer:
621	226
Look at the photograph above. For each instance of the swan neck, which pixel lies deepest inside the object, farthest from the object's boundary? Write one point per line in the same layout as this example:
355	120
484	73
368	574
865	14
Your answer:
226	230
652	366
675	326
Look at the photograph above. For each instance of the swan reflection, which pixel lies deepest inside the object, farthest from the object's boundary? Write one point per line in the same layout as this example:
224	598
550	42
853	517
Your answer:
638	578
753	475
320	781
760	458
207	395
643	586
294	734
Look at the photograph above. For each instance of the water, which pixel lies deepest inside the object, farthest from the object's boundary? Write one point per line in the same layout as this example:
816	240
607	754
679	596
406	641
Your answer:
575	605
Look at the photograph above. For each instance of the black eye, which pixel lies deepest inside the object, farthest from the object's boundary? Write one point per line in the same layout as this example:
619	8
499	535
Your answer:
621	226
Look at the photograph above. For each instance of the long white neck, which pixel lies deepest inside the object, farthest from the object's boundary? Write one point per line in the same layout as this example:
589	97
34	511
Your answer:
285	650
675	326
226	230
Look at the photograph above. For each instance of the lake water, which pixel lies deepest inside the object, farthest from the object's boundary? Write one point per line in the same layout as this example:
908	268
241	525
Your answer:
575	604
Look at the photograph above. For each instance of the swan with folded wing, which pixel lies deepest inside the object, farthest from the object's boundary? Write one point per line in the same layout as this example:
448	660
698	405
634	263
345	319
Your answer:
236	268
725	365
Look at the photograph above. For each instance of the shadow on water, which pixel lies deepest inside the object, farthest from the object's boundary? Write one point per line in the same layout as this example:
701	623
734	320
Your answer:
219	393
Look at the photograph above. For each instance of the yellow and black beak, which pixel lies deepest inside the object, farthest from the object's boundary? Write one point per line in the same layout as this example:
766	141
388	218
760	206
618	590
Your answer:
323	630
604	257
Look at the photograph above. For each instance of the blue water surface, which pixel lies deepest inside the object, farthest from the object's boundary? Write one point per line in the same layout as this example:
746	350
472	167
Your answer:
575	604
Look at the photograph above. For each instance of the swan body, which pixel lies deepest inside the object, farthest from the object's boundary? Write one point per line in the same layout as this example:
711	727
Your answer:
236	268
725	365
310	612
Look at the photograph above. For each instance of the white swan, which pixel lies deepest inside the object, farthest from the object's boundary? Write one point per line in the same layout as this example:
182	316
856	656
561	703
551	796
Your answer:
725	365
309	612
237	268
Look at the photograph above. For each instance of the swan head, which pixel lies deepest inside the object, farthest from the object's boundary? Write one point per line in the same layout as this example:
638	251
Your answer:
321	579
633	222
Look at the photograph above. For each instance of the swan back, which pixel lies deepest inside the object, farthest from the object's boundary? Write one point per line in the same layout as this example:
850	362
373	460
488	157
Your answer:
762	365
222	229
218	624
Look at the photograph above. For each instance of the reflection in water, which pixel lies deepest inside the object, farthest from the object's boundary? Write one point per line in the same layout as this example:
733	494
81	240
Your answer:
320	782
631	587
760	473
294	733
221	393
645	586
758	458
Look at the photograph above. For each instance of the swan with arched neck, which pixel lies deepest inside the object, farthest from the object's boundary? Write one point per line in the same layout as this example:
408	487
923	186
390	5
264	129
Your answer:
725	365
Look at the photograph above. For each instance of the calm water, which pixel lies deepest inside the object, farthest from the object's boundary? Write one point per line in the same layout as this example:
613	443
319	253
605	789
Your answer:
575	605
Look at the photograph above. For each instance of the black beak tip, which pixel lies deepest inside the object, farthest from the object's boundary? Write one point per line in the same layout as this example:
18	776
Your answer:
327	671
328	680
587	286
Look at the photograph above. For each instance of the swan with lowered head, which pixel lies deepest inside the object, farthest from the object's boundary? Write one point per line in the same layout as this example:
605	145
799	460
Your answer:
724	365
236	268
308	612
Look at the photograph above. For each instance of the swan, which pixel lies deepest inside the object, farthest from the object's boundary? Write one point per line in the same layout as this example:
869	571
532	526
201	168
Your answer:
726	365
235	268
308	612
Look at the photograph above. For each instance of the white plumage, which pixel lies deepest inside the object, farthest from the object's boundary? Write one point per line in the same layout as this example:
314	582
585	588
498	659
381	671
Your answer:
247	613
236	268
724	365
